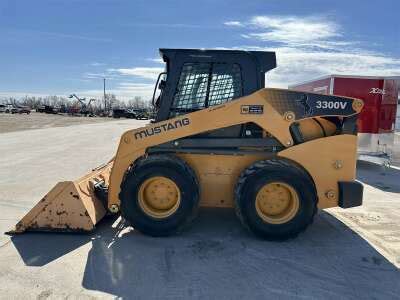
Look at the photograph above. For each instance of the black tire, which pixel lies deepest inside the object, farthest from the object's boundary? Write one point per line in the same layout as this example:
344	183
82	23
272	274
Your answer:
254	178
174	169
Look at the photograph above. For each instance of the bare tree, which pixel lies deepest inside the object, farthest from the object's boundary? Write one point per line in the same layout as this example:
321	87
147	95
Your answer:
69	105
138	103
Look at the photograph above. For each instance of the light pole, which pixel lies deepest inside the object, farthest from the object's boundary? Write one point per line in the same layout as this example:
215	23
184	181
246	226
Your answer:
104	95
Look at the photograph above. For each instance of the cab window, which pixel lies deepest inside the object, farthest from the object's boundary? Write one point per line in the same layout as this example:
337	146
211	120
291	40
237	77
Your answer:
206	84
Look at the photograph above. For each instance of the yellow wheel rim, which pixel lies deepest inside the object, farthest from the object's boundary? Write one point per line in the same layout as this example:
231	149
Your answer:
159	197
277	202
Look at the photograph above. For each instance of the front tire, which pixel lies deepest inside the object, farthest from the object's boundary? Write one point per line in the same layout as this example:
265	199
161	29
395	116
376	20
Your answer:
275	199
159	195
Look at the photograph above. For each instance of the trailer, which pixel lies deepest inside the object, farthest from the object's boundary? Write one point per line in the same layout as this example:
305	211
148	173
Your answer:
377	121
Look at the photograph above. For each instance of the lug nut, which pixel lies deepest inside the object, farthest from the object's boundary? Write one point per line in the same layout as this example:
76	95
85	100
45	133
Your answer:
114	208
330	195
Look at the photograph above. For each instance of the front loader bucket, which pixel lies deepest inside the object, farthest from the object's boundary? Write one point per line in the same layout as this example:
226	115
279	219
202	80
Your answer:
69	206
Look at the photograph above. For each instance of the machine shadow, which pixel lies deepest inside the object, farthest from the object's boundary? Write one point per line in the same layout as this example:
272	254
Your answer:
217	258
38	249
385	179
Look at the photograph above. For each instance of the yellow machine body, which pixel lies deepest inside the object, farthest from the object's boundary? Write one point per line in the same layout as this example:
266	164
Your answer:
328	159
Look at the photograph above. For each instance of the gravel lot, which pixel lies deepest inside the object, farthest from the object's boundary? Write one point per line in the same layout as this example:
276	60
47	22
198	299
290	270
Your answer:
17	122
352	253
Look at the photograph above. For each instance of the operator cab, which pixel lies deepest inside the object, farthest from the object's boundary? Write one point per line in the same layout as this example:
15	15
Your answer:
197	79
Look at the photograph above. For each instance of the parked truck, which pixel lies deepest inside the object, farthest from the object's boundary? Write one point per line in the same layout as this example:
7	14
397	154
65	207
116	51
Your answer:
376	123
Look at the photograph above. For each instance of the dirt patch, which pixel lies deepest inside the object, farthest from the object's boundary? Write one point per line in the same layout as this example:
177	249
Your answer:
17	122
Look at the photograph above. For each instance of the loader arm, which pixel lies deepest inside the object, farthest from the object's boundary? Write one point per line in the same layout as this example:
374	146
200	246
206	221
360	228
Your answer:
274	110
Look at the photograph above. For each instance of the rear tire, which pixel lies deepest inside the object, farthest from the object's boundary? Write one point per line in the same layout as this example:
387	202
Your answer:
275	199
159	195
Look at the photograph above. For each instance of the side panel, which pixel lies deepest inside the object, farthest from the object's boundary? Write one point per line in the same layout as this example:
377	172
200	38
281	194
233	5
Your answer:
328	161
218	175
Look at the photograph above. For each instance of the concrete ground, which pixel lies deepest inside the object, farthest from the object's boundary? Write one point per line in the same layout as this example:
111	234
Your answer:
352	253
18	122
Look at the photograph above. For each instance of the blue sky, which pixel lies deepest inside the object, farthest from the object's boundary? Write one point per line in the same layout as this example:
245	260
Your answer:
58	47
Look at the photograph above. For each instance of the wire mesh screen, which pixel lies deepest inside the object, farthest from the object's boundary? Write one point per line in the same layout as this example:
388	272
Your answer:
226	83
206	84
192	86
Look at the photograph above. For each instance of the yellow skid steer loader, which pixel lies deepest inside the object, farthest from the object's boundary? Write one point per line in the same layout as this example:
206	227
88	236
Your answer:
220	139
